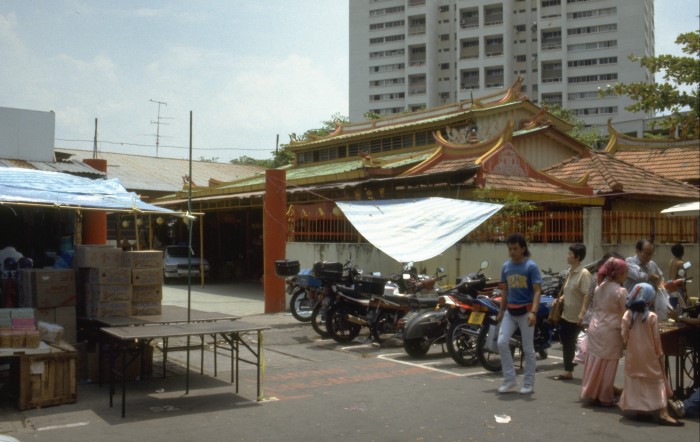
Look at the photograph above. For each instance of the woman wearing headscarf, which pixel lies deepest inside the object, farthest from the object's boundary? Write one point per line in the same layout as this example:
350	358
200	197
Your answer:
604	336
646	387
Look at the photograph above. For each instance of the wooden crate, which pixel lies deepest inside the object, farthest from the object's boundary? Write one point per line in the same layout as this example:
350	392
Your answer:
48	379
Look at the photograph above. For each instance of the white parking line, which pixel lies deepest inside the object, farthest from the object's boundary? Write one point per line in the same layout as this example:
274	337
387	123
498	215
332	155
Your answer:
57	427
426	365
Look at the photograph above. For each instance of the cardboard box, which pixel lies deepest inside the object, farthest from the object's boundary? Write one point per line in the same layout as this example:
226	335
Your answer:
143	259
66	318
146	309
110	309
21	313
146	293
147	276
45	288
103	257
114	275
108	292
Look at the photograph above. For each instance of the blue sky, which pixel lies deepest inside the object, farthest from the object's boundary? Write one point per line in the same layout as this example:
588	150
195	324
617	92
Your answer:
247	69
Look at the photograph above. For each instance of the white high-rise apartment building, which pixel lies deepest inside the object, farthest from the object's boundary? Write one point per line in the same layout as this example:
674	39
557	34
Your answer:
414	54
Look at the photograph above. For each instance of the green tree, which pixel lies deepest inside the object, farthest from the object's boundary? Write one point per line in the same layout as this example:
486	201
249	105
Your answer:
679	90
588	136
249	161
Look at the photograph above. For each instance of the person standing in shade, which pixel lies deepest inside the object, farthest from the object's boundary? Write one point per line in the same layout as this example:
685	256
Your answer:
604	348
575	295
646	387
522	283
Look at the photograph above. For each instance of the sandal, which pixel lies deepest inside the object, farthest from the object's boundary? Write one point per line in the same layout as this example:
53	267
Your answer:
670	423
560	377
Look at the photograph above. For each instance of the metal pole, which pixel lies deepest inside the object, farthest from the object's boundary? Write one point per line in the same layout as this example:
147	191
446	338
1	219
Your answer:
189	259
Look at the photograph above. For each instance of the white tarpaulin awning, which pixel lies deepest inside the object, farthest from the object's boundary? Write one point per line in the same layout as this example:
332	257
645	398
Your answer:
685	209
416	229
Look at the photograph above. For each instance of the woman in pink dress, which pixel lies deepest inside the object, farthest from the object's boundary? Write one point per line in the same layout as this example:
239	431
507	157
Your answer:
646	386
604	337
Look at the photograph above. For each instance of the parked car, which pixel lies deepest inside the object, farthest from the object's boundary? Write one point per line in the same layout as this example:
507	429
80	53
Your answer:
175	263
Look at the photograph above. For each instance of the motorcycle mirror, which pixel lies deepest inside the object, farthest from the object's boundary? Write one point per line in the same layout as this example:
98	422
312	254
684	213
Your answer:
686	265
441	270
484	264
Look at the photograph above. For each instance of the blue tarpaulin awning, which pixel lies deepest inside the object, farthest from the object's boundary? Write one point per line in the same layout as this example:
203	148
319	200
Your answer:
416	229
38	187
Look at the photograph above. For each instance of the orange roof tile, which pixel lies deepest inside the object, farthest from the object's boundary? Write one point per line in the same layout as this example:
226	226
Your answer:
608	174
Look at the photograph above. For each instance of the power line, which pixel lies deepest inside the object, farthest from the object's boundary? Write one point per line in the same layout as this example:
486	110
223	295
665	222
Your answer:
124	143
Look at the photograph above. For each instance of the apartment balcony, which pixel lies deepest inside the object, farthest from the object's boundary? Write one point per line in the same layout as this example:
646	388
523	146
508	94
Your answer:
418	62
494	50
494	81
416	3
471	52
471	22
416	29
469	86
551	44
417	90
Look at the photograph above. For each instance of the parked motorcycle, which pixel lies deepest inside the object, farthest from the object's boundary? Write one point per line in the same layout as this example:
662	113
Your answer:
487	337
306	291
379	305
332	275
423	329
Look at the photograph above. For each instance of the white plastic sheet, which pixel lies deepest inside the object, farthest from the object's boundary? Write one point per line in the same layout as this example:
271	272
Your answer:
416	229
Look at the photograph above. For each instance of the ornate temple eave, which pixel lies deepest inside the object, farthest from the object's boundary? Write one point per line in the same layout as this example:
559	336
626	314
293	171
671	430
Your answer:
618	141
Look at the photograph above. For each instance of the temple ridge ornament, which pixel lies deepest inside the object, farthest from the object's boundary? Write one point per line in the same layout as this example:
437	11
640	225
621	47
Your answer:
457	136
509	164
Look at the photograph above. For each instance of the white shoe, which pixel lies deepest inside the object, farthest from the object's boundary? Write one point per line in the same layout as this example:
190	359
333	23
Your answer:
507	387
677	407
527	389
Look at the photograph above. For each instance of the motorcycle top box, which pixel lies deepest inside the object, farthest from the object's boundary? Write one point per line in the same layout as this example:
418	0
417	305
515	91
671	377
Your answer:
372	285
330	271
286	267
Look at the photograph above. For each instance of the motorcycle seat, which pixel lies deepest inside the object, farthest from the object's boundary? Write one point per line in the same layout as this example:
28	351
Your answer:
410	300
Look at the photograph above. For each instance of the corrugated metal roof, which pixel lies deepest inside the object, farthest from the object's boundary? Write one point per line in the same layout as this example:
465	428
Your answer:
68	166
137	172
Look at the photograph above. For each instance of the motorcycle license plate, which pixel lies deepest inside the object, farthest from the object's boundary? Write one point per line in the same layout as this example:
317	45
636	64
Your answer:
476	318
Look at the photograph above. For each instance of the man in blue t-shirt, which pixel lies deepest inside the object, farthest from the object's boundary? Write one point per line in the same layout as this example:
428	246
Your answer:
522	282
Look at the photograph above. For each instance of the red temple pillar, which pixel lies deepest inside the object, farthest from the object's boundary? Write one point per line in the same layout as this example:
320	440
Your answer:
274	238
95	221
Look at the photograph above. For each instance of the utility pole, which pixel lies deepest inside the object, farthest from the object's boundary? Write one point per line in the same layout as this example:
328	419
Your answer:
94	143
158	123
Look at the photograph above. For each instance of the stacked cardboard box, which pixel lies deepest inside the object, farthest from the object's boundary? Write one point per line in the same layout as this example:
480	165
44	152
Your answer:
52	294
105	286
18	328
146	279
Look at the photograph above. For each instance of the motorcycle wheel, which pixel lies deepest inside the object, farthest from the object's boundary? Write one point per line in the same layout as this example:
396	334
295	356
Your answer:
318	320
491	361
339	328
416	347
383	327
461	345
300	305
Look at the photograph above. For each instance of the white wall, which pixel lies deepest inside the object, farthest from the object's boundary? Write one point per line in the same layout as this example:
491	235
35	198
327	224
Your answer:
26	134
461	259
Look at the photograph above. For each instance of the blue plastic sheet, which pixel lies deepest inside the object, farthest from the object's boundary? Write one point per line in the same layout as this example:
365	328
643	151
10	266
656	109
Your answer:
56	189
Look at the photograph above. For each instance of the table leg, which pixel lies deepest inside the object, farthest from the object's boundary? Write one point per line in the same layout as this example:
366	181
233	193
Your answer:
215	367
201	356
123	370
165	355
111	373
260	356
